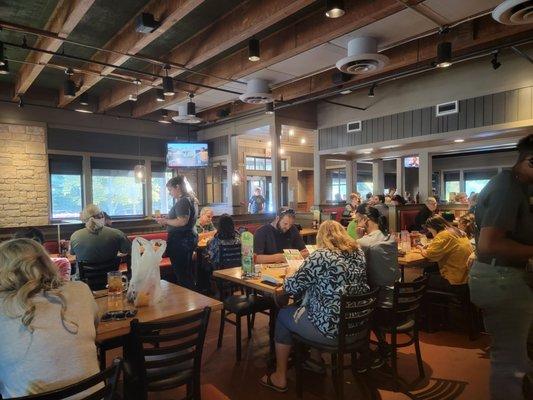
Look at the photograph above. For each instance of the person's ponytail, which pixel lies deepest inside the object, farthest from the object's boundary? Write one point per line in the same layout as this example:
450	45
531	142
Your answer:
383	224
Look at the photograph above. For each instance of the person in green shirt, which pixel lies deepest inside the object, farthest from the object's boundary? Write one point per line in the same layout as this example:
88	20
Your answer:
204	225
352	229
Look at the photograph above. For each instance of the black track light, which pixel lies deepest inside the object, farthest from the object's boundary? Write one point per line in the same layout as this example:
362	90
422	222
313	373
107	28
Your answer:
269	108
335	8
69	87
371	90
495	63
2	58
21	101
254	51
191	106
4	69
160	96
444	55
168	83
84	99
164	119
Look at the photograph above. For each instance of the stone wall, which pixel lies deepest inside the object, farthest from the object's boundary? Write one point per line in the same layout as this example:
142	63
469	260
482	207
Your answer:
24	187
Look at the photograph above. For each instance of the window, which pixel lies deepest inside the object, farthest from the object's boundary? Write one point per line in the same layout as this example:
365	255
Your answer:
250	163
365	187
476	180
161	200
114	188
336	179
217	184
452	184
364	181
263	164
66	186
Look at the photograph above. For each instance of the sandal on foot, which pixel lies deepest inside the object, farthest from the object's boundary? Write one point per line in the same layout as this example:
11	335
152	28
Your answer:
269	384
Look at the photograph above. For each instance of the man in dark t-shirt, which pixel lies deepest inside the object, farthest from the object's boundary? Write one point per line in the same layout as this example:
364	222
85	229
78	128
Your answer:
271	239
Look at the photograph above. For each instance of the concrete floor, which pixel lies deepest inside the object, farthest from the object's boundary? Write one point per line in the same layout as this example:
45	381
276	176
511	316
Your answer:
456	368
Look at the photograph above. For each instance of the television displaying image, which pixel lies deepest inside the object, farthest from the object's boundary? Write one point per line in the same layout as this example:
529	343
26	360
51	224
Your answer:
187	155
411	162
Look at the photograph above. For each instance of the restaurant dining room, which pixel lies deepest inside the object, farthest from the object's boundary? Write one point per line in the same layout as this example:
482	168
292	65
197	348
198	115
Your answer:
277	199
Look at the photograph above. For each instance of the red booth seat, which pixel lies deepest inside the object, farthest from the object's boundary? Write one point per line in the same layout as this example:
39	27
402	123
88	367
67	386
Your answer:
407	219
334	209
165	261
52	247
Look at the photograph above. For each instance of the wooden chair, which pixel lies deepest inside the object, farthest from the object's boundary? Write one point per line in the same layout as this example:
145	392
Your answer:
165	355
403	319
354	322
95	274
107	391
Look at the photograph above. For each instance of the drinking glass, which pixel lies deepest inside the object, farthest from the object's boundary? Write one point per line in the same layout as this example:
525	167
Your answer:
116	282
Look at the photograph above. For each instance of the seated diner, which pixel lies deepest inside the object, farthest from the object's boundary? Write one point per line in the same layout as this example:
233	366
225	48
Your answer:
204	224
428	210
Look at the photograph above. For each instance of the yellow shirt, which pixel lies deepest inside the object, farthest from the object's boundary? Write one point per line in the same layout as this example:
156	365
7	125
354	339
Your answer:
451	252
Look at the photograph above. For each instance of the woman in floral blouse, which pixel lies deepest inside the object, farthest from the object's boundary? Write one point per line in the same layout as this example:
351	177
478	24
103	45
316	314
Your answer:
338	266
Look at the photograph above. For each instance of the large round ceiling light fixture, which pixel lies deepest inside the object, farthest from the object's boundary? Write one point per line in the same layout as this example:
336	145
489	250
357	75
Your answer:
363	57
257	92
514	12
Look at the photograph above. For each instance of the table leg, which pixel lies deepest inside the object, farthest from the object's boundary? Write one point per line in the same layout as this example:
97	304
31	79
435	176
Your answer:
402	272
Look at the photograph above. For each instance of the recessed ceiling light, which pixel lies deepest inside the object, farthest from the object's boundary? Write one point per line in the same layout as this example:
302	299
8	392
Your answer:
392	146
254	50
459	140
335	8
303	141
269	143
347	91
281	151
291	132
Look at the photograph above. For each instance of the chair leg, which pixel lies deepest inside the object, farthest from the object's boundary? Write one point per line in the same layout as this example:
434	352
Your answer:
249	325
221	330
394	360
299	378
238	336
196	390
340	376
101	358
421	372
253	320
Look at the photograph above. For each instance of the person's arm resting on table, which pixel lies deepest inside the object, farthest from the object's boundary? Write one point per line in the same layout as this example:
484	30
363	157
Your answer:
500	217
298	283
260	240
437	248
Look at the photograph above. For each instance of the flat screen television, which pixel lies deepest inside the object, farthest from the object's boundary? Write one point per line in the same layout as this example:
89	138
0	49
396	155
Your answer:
411	162
187	155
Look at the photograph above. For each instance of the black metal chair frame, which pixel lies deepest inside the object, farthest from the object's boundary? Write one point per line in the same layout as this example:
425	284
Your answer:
95	274
157	368
406	303
355	318
109	377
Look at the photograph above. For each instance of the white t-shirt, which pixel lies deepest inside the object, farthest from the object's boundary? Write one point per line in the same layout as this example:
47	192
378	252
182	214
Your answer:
51	357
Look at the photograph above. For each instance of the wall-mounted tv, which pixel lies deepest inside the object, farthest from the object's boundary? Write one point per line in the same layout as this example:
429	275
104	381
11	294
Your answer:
411	162
187	155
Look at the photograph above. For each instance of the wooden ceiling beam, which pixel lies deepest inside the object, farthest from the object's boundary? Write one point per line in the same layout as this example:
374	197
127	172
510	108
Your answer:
312	30
129	42
246	20
472	36
64	18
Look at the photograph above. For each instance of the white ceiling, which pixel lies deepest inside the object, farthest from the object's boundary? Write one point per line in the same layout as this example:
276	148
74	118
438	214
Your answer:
396	28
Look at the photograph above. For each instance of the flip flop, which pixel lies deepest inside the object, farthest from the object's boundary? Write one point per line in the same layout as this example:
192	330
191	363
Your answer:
271	385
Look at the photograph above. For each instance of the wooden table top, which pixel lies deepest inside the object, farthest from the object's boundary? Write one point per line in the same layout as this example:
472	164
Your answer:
412	259
177	302
235	275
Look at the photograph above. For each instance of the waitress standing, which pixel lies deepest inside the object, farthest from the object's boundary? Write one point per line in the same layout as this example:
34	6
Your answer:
182	237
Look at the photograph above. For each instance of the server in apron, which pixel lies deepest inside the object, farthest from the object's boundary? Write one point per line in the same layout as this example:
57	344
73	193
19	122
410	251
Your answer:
182	237
499	276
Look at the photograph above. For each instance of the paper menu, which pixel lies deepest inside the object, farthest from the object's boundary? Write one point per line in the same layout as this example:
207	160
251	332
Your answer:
311	248
294	258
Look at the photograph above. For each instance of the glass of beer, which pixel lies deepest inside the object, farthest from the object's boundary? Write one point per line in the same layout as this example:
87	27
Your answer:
116	282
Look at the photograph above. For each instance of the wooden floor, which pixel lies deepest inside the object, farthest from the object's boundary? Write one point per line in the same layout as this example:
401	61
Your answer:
456	368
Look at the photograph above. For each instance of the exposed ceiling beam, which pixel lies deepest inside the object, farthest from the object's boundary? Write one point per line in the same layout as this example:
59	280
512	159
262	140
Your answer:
470	37
248	19
64	18
311	31
128	41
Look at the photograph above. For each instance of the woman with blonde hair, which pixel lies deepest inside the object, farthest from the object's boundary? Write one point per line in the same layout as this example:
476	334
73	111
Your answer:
338	265
47	325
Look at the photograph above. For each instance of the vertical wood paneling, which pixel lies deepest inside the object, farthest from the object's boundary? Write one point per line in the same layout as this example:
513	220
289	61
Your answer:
426	121
394	126
462	115
524	103
375	131
452	121
434	121
470	113
487	110
387	130
408	124
401	131
381	123
417	122
511	106
498	108
479	111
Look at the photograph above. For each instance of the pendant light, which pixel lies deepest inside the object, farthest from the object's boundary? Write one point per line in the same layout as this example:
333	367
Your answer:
254	51
269	108
139	171
444	55
160	96
168	83
164	119
69	87
4	69
83	106
2	58
133	96
335	8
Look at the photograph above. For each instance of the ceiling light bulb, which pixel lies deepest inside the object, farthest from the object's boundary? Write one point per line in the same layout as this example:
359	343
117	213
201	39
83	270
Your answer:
335	8
160	96
132	97
136	82
269	108
281	151
371	90
168	86
164	119
139	172
347	91
2	59
459	140
84	99
4	69
269	143
69	88
303	141
254	50
291	132
444	55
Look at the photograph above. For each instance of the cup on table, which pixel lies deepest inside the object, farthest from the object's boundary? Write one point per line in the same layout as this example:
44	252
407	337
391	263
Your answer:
157	213
116	283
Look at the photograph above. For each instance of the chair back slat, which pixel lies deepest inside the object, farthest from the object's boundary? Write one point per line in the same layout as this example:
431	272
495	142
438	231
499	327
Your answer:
95	274
230	256
109	378
157	351
408	296
355	315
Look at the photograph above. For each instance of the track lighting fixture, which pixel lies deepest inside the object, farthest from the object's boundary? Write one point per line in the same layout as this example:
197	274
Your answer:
444	55
371	90
21	101
495	63
269	108
69	86
84	99
2	58
191	106
254	51
164	119
160	96
132	97
335	8
137	82
4	69
83	106
168	83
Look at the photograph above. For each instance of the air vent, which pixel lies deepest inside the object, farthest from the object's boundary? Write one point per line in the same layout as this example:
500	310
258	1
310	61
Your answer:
514	12
257	92
354	126
187	114
451	107
363	57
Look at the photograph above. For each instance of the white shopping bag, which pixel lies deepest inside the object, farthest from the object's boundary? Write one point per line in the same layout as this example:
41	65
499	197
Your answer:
145	283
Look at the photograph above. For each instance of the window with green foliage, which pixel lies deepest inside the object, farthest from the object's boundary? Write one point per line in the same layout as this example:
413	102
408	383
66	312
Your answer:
161	200
66	186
